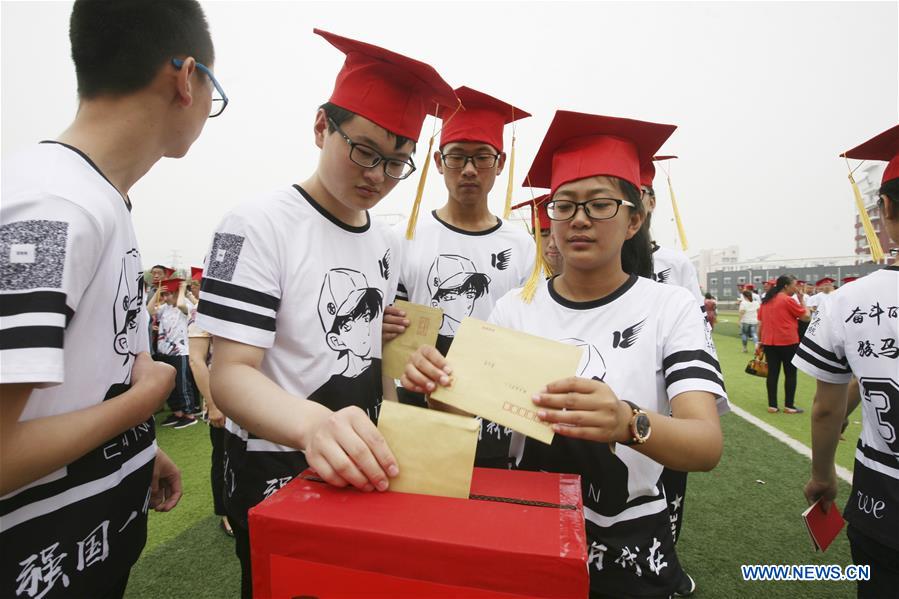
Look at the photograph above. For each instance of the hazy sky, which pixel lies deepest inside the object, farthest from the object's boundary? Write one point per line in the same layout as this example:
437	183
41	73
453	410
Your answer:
765	94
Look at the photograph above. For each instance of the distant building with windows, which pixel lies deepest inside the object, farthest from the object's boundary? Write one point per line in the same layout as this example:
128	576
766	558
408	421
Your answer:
868	178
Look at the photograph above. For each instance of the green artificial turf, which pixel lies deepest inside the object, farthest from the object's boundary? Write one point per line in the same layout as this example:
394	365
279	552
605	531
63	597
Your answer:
730	518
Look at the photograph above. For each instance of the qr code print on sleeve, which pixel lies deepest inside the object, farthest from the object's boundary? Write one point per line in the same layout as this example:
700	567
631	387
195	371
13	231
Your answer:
223	258
32	254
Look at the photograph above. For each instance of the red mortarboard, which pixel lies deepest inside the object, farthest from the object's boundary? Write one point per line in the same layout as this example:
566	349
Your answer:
542	216
196	273
168	271
389	89
849	279
648	170
884	147
748	287
579	145
481	119
825	281
771	282
172	285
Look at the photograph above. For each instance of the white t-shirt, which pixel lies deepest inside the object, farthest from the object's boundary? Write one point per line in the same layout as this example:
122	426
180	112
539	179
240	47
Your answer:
673	267
172	340
73	320
285	275
649	343
750	311
464	274
856	332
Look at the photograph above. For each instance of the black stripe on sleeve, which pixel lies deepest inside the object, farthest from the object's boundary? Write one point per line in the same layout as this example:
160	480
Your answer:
688	356
35	301
241	294
800	351
693	372
823	352
878	456
28	337
244	317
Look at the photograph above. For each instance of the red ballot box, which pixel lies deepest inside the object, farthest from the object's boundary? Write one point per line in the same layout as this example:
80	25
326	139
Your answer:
521	534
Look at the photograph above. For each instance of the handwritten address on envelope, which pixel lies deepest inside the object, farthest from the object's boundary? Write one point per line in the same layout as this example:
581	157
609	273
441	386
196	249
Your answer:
496	372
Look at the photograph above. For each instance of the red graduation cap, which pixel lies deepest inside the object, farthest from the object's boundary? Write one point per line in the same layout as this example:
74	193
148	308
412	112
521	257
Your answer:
798	282
168	271
389	89
771	282
481	119
579	145
748	287
825	281
172	285
884	147
542	216
849	279
648	170
196	273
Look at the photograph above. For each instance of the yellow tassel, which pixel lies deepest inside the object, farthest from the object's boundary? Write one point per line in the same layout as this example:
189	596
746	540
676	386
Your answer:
677	219
873	241
508	211
413	218
540	265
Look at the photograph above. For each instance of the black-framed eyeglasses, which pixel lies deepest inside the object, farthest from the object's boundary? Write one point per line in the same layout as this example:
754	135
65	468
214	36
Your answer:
459	161
219	102
368	157
596	209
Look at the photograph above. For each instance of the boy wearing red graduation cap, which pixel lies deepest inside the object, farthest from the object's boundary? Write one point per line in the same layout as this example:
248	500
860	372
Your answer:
461	257
823	288
649	388
294	290
855	333
540	225
669	265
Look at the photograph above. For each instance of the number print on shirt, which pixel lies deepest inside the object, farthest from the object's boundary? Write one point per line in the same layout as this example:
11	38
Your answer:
454	285
884	396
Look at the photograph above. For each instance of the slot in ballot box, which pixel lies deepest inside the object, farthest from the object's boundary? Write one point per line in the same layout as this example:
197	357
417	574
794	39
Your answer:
520	534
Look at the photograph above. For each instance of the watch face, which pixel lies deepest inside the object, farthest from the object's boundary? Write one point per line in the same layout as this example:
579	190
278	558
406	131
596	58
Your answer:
642	425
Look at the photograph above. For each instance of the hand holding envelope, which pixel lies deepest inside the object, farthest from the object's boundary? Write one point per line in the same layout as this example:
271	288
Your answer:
496	371
434	450
424	325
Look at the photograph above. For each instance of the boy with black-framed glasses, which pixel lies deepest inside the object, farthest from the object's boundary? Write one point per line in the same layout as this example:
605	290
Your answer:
462	258
295	288
79	464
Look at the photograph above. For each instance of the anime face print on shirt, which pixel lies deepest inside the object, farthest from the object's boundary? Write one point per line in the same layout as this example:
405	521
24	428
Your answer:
346	307
454	286
129	301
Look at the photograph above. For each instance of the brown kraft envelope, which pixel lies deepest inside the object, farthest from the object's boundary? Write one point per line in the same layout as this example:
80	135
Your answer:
434	450
424	324
496	372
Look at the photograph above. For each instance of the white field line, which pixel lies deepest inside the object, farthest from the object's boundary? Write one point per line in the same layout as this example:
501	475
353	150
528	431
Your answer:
784	438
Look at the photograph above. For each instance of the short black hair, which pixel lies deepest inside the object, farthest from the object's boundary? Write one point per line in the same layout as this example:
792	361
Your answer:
636	252
341	115
369	303
478	282
160	266
118	46
891	189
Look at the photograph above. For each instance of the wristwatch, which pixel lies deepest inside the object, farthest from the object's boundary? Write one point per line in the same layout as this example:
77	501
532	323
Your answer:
640	427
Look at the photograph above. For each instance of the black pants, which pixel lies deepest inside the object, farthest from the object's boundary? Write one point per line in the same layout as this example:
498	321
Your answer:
182	398
242	550
217	471
884	562
777	355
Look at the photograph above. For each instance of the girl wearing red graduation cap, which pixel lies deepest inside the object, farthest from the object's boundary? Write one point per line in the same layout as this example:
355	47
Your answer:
647	355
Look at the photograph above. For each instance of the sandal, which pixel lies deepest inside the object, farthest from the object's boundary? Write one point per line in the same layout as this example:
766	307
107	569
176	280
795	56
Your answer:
773	410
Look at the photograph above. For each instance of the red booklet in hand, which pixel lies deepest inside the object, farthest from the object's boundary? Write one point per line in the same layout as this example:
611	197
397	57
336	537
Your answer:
823	528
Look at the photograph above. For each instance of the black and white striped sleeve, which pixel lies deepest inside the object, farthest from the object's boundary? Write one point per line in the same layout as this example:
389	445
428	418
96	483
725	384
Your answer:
821	353
42	280
689	360
241	291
